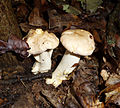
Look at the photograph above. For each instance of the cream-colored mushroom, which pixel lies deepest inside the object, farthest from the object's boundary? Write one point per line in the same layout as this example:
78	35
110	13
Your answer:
43	63
41	46
77	42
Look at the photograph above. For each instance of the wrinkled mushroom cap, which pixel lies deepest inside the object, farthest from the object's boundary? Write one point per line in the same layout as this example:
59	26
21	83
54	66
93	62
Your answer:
78	41
40	41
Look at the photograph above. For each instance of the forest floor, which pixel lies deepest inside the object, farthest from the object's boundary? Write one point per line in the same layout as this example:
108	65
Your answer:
95	83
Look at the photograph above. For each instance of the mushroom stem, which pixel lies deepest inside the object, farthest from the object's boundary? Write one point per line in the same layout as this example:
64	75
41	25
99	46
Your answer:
64	68
43	62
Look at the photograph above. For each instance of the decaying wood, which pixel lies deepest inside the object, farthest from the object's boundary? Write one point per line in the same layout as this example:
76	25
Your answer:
8	27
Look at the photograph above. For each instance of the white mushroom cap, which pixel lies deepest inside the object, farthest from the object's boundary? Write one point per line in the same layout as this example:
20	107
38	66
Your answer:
78	41
40	41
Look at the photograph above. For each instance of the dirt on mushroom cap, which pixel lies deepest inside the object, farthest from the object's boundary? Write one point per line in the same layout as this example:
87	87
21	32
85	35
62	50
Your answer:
40	41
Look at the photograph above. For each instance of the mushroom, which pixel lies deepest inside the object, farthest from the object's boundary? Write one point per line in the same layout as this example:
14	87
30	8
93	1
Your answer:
43	63
77	42
41	47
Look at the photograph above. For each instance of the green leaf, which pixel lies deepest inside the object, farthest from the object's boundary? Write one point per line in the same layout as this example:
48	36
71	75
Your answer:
70	9
90	5
65	7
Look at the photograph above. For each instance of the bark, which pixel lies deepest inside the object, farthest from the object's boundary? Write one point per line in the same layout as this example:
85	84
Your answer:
8	27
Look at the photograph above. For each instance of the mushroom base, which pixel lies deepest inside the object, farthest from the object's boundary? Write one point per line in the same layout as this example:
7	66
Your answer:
43	62
65	67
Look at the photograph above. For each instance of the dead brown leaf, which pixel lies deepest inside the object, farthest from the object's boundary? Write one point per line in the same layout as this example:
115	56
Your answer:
35	18
96	36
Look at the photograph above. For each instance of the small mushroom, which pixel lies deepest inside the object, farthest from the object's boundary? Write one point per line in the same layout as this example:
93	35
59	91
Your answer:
41	46
77	42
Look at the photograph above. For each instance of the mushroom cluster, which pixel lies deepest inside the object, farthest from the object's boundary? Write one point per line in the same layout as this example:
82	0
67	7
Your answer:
77	42
41	45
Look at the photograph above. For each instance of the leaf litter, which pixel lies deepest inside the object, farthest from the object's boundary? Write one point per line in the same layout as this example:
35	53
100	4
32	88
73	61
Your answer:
95	83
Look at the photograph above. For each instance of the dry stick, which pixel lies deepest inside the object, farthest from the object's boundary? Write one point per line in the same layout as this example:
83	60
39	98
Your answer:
21	78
